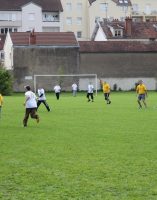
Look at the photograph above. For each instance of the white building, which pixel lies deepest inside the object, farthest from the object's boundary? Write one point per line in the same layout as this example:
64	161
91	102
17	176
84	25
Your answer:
25	15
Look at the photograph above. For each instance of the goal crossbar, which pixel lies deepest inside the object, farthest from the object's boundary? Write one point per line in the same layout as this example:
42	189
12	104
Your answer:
65	75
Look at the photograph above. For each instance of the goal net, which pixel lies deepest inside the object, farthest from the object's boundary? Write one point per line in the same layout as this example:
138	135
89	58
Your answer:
65	81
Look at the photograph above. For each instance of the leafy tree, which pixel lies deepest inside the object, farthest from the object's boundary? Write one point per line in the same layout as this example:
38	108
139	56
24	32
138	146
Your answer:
5	82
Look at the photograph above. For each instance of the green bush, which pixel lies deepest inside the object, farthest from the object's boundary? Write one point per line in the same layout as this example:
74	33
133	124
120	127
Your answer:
5	82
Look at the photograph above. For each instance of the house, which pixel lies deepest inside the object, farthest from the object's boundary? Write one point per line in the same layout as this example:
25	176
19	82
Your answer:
28	54
26	15
128	30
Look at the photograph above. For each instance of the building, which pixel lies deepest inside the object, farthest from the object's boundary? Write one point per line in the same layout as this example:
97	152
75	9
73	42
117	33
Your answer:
80	16
144	10
128	31
28	54
26	15
120	62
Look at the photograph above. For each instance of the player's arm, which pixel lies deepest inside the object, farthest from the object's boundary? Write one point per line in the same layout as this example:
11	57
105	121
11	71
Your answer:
41	95
26	99
137	89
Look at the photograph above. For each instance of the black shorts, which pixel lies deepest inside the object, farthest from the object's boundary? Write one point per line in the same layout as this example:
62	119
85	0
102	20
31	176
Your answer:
106	95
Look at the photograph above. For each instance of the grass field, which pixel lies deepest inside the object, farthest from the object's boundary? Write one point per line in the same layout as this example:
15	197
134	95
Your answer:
80	150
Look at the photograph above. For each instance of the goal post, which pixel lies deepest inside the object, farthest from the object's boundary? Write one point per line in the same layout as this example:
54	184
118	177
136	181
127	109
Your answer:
82	78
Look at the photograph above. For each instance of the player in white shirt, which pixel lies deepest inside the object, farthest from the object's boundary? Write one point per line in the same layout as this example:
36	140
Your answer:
57	90
30	105
74	89
42	99
90	91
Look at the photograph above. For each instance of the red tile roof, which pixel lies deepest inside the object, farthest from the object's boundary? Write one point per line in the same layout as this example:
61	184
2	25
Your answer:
140	30
45	39
47	5
117	46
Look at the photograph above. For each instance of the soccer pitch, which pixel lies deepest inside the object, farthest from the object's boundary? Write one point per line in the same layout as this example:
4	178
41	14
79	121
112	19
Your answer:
80	150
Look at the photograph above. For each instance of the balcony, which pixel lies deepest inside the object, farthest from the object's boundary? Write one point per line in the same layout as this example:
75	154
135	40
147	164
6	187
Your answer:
51	17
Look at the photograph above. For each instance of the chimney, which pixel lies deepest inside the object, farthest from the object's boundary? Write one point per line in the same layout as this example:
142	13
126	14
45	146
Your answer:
32	38
128	26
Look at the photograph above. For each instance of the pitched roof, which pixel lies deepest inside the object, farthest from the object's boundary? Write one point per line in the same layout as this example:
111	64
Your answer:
45	39
46	5
91	1
116	46
2	40
139	30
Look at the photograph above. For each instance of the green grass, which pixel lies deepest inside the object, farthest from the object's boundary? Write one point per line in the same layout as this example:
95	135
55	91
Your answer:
80	150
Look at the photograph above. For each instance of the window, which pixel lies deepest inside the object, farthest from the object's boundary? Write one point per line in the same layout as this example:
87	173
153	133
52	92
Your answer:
79	6
79	20
50	17
13	17
97	19
135	8
103	6
79	34
6	29
69	20
68	6
148	9
31	16
4	17
118	33
2	55
7	17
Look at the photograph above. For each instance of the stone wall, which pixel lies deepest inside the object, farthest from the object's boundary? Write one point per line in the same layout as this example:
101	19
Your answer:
121	68
31	61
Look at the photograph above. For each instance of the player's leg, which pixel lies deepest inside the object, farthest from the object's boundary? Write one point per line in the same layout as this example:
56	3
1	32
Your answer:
139	101
108	98
88	97
38	103
25	120
57	95
34	114
92	97
143	100
46	105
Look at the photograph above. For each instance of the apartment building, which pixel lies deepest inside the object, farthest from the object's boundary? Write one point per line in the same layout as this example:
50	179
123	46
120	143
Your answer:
144	10
75	17
25	15
80	16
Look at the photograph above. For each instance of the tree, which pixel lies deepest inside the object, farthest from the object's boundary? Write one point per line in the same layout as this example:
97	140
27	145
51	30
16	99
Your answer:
5	82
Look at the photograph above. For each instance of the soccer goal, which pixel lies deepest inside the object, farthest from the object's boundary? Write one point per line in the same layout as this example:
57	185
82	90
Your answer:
48	81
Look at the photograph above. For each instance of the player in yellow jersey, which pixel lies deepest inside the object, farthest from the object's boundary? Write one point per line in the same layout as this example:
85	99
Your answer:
1	102
142	93
106	90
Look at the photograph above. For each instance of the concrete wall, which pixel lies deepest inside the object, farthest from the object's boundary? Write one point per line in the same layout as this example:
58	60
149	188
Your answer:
123	69
31	61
